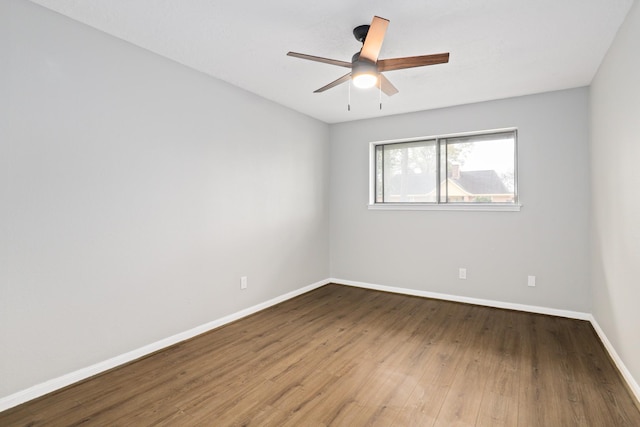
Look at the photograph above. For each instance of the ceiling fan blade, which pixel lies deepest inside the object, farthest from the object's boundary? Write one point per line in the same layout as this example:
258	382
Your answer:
412	61
373	41
334	83
387	87
320	59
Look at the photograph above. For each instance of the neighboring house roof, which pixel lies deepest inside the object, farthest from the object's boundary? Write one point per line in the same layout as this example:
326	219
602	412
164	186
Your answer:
481	182
472	182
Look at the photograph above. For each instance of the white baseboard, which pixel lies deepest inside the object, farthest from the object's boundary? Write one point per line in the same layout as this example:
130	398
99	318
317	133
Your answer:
84	373
477	301
633	384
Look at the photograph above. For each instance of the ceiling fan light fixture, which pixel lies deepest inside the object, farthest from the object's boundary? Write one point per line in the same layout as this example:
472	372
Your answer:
364	75
365	80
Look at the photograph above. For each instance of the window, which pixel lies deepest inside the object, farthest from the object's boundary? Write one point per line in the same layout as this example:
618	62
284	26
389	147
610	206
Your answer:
463	171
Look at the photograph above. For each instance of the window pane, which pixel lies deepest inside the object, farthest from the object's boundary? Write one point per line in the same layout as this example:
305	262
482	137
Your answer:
471	168
443	173
409	172
481	169
379	175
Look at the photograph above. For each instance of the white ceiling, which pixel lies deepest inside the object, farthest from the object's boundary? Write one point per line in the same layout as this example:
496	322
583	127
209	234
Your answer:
499	48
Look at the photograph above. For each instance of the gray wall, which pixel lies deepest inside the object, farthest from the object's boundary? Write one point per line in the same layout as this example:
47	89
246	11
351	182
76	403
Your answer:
422	250
135	193
615	169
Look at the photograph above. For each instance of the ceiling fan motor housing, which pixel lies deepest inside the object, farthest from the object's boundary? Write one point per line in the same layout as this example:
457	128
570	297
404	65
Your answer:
362	66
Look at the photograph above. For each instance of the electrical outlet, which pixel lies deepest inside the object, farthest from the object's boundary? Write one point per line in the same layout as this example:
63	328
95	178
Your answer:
243	282
462	273
531	281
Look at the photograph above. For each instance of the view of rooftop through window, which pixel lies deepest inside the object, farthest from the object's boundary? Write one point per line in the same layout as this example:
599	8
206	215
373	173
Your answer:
477	168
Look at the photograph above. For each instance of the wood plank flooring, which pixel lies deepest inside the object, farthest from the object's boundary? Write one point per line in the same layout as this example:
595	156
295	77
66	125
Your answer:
343	356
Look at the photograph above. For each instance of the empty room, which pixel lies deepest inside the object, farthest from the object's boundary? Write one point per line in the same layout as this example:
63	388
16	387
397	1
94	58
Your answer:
320	214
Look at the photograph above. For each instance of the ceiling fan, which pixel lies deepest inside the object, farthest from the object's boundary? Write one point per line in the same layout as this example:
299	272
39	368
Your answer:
366	68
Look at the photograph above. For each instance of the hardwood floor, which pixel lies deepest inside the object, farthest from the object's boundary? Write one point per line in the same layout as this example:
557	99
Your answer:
344	356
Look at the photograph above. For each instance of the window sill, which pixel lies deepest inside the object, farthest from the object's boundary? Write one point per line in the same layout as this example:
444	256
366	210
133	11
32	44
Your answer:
445	207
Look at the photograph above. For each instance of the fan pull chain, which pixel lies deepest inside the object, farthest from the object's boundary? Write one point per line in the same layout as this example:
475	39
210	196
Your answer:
349	101
380	95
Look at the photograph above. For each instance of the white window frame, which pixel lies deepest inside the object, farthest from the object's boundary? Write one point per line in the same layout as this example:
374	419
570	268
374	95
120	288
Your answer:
440	206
